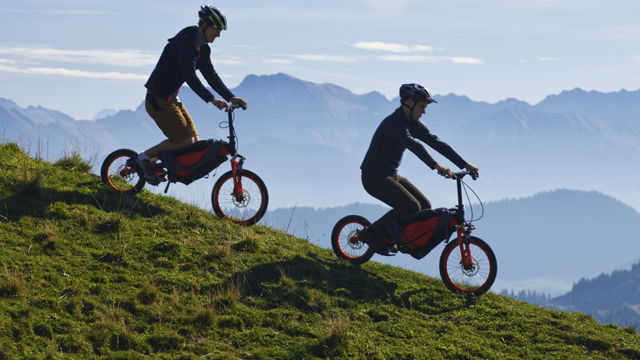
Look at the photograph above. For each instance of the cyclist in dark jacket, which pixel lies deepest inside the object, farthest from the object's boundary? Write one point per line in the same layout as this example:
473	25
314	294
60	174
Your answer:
185	53
398	132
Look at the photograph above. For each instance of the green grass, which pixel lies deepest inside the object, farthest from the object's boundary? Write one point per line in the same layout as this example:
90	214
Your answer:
87	273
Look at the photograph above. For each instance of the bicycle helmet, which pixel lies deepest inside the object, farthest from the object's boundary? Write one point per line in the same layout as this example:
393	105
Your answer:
416	92
213	16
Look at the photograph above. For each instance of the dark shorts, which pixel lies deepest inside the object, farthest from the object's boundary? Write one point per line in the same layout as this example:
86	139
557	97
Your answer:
171	117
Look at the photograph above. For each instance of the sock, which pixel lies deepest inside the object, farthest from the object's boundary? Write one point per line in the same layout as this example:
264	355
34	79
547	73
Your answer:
142	156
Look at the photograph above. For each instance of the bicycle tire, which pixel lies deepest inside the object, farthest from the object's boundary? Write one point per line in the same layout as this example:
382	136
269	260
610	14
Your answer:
344	243
475	280
247	211
118	175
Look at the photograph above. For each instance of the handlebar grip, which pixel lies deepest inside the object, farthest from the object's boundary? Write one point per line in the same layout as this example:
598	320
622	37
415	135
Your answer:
461	174
241	106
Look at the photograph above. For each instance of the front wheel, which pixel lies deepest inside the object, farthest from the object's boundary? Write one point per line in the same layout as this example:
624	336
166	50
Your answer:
245	208
477	276
117	174
345	242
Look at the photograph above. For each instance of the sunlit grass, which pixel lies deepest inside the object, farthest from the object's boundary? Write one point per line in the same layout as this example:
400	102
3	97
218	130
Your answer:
86	272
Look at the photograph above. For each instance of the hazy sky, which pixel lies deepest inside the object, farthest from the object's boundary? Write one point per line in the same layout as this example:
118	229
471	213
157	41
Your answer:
81	56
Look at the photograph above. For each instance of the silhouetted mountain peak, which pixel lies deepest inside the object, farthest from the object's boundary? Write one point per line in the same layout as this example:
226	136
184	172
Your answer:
621	106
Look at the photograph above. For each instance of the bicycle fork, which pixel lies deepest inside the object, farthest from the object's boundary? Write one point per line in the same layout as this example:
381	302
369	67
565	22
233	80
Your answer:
236	172
464	234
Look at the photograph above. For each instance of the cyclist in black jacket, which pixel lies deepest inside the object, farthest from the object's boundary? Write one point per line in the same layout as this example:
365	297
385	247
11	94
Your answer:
398	132
185	53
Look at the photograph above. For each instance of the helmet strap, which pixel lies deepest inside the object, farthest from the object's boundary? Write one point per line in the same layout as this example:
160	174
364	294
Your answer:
410	108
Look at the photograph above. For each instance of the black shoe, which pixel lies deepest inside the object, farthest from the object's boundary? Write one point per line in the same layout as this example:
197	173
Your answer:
148	174
368	237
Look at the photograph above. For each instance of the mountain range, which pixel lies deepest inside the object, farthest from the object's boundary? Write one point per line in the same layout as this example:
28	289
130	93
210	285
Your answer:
610	298
298	134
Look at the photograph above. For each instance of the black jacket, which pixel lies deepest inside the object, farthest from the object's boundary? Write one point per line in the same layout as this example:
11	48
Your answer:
178	63
394	135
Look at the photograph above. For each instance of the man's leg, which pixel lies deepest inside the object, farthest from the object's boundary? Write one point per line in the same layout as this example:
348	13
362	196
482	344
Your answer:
176	124
391	191
417	194
169	144
174	121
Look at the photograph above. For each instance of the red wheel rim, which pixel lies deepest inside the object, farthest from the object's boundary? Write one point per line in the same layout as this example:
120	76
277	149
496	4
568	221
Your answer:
474	277
348	244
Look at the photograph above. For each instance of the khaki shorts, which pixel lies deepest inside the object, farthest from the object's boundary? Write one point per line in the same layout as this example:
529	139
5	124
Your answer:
171	117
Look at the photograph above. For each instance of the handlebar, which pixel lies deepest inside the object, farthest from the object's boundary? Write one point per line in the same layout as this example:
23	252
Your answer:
461	174
238	106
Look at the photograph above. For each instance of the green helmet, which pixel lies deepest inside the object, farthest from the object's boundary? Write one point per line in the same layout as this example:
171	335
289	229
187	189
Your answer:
213	16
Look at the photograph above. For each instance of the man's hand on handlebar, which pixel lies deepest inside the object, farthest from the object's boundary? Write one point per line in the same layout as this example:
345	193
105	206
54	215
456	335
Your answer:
220	104
472	169
444	171
239	101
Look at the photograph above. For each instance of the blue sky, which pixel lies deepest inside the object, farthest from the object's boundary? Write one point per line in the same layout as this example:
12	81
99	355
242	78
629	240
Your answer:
79	57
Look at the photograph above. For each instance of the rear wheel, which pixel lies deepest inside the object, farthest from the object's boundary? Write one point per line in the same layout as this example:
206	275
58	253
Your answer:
345	242
474	279
246	208
117	174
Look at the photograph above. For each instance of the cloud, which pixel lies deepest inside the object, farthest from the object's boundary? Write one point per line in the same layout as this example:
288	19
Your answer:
129	58
277	61
227	60
69	12
396	48
431	59
637	57
73	73
549	59
324	58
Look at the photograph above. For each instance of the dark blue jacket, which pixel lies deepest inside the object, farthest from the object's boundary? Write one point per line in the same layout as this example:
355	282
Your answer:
177	65
394	135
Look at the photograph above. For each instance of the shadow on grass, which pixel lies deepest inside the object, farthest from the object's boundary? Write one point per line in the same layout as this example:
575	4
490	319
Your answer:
292	279
304	281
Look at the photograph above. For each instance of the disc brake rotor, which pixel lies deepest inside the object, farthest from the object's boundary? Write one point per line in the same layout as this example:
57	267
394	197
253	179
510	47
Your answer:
472	269
241	201
357	244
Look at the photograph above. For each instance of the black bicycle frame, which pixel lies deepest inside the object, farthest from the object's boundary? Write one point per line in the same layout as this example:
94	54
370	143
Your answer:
464	229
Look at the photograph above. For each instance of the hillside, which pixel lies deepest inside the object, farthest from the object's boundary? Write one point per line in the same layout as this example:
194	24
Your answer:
86	273
561	232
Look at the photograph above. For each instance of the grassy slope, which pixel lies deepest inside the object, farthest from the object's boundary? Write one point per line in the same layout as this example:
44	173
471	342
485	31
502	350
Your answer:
85	272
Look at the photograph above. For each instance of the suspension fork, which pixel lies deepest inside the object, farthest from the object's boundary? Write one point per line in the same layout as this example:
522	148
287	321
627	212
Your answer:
464	234
236	173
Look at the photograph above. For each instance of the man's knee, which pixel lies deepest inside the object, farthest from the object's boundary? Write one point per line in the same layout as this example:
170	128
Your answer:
412	207
188	141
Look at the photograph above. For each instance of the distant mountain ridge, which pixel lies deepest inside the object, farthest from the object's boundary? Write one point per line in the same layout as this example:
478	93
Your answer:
565	141
610	298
